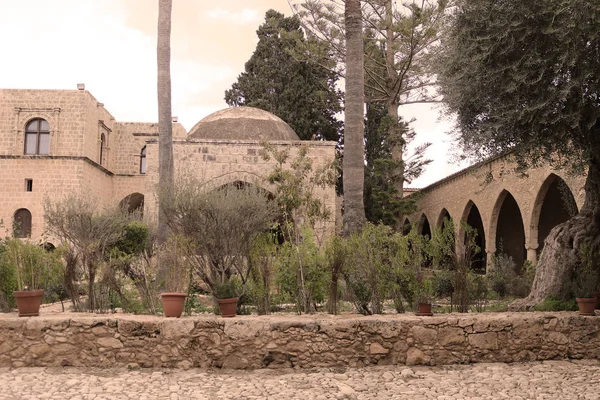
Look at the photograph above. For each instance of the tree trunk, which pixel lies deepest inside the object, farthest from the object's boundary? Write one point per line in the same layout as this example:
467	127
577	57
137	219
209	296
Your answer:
165	127
554	271
354	130
393	87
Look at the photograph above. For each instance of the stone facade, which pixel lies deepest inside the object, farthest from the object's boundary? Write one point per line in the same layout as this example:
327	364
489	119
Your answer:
92	154
295	341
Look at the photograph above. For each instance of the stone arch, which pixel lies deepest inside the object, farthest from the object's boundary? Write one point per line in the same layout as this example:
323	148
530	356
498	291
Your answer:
133	203
507	229
423	227
239	184
554	204
22	223
238	176
443	214
472	217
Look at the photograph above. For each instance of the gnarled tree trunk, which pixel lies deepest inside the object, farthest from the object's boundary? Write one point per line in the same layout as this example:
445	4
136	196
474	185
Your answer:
561	254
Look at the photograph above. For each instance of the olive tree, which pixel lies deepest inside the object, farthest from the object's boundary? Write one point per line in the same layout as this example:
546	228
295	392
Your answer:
524	76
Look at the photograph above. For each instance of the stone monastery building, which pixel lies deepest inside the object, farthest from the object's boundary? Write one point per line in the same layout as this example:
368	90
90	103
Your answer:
59	142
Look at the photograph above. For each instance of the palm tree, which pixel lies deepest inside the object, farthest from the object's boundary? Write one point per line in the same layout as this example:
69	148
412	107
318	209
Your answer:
165	128
354	147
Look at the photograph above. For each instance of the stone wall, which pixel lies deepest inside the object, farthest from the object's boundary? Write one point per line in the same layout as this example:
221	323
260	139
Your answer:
294	341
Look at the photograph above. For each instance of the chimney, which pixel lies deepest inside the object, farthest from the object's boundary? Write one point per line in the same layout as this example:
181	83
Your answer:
81	86
174	119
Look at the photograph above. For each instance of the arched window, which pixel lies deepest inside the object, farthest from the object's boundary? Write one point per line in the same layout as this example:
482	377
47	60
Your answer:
143	160
37	137
22	223
102	145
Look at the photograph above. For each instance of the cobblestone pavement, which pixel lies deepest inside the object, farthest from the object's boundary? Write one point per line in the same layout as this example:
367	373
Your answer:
561	380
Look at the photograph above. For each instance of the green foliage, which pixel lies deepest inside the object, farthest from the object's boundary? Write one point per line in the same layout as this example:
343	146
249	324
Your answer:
442	246
89	233
302	94
587	275
263	260
478	291
367	268
219	227
555	304
504	279
175	270
295	181
407	254
134	239
227	289
383	204
502	274
524	75
336	257
425	293
33	266
8	280
303	272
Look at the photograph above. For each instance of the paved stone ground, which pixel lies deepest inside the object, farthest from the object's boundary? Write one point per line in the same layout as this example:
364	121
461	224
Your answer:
562	380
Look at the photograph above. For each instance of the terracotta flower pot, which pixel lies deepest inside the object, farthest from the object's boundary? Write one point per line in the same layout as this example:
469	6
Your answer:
28	302
586	305
228	307
424	310
173	303
597	294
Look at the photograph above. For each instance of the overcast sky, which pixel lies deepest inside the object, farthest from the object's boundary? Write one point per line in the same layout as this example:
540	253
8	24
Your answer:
110	45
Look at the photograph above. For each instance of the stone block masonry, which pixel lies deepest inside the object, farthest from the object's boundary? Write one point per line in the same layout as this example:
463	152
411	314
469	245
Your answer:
248	342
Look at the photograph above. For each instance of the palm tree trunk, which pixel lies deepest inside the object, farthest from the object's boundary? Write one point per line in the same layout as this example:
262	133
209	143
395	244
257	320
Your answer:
165	128
354	147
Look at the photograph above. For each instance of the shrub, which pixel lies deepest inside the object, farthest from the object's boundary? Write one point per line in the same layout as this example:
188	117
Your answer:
556	304
219	227
262	263
502	274
504	279
367	266
478	291
303	272
8	281
407	255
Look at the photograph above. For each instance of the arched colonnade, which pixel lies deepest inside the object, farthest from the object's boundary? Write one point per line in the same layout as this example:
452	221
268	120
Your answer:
512	215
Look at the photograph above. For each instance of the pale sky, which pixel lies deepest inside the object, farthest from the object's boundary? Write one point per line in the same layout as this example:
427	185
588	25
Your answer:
110	45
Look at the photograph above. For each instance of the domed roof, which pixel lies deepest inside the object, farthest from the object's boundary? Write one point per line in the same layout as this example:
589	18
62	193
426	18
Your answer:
242	123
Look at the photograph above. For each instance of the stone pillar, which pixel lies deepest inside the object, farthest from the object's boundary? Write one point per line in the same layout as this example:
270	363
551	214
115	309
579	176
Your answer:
490	253
532	255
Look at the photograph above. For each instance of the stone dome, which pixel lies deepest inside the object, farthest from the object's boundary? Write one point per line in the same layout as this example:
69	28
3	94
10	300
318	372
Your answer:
242	123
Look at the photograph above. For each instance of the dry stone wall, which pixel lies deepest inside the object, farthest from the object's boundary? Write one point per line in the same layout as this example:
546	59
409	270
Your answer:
300	342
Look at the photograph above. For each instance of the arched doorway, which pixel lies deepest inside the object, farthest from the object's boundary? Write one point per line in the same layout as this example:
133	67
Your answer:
444	216
473	218
22	223
510	231
133	203
554	205
424	227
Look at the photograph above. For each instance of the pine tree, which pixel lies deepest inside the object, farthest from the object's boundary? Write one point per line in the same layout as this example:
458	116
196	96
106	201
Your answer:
302	94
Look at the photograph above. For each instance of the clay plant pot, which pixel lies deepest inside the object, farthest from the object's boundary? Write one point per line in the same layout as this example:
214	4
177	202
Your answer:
228	307
597	295
173	303
424	310
586	305
28	302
